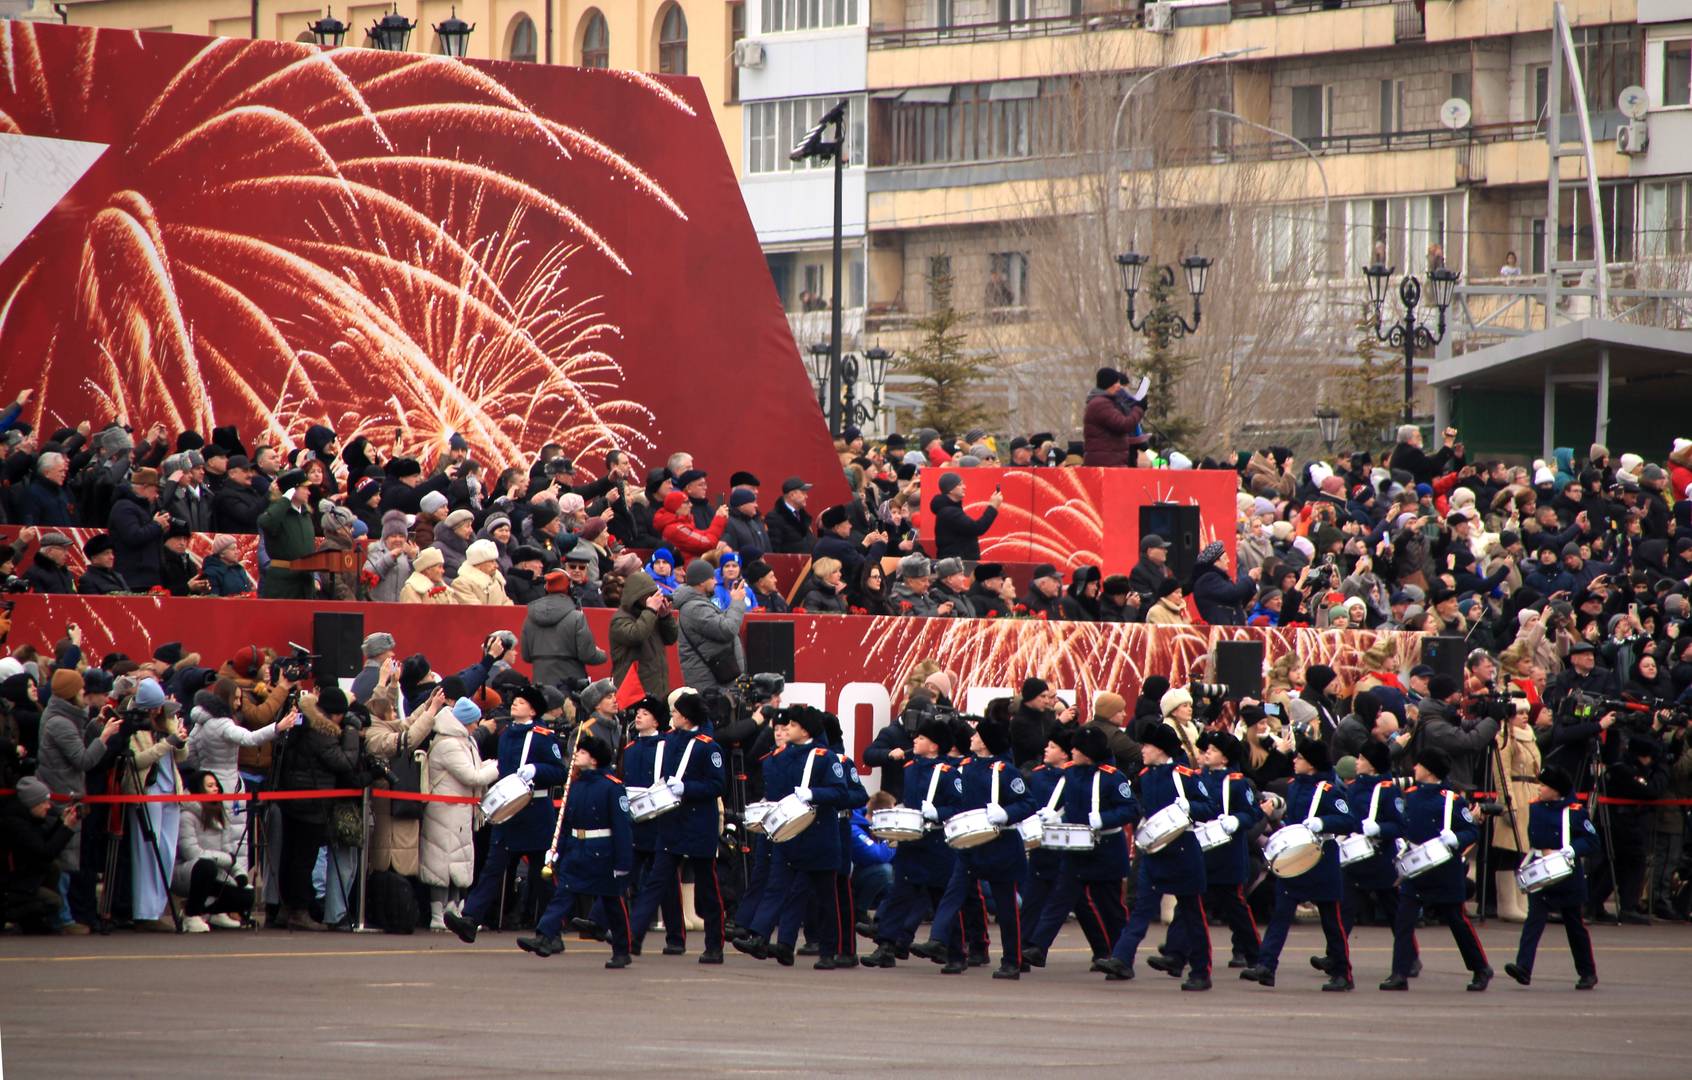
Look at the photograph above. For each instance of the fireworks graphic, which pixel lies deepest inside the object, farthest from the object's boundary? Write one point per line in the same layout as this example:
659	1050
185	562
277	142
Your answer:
277	236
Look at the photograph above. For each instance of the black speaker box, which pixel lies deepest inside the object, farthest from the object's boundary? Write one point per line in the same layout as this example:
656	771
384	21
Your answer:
1240	665
337	637
769	647
1177	523
1445	655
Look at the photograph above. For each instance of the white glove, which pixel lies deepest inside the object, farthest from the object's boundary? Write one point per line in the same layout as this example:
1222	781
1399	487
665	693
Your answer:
1095	820
1449	839
1567	852
928	811
619	873
996	814
1371	829
675	785
527	772
1316	826
1231	824
804	794
1048	816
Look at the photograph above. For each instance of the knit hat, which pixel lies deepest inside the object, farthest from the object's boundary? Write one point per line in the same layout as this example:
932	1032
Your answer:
481	551
457	518
428	559
1210	552
466	712
1107	704
1173	699
394	524
571	503
433	502
596	692
67	684
32	792
949	480
1033	688
699	572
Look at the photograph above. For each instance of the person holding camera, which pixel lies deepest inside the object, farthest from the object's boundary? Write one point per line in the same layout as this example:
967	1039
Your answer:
65	757
455	768
642	630
322	752
1463	742
556	638
1637	778
158	746
32	837
711	656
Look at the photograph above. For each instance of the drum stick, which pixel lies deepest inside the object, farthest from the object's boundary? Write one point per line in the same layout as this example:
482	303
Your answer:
558	826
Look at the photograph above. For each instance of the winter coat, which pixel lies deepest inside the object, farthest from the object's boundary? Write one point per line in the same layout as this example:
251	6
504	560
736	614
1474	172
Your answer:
98	581
455	768
320	753
1170	611
391	570
137	539
1519	751
557	641
1220	601
1110	427
789	529
680	533
44	577
64	758
215	741
198	837
236	507
703	631
395	843
227	578
819	599
640	636
47	505
150	752
746	534
956	534
30	845
418	589
452	548
193	507
905	600
474	586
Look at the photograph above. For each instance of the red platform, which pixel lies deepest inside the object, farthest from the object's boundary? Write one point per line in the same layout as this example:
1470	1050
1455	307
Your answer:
1081	516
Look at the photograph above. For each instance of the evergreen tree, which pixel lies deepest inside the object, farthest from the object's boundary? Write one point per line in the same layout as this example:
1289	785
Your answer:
950	373
1164	364
1368	399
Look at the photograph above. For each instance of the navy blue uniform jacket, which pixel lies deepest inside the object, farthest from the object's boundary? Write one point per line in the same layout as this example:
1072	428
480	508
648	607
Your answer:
1228	864
1545	833
1378	872
597	802
1322	882
1424	817
1002	858
531	829
1178	868
818	847
927	861
1108	861
691	828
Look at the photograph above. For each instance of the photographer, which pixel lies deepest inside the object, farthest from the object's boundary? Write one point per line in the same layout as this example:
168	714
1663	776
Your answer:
1465	742
642	630
395	841
892	745
1573	727
322	752
556	638
32	836
1668	842
65	759
156	753
262	694
1638	777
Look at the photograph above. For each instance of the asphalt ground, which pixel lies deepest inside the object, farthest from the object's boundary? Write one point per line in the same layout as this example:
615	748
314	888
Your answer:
275	1004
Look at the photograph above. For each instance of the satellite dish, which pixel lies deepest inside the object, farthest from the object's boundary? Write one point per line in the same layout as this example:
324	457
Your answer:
1455	114
1633	102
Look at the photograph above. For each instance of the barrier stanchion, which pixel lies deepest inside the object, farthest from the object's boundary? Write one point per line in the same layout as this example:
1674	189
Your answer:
364	864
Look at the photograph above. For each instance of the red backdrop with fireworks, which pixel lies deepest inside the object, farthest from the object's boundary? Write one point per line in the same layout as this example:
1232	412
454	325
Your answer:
201	232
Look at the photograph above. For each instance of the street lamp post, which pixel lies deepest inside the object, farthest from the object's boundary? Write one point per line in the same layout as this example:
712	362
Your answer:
1408	334
852	411
1328	423
813	145
455	35
392	32
820	363
329	31
1163	322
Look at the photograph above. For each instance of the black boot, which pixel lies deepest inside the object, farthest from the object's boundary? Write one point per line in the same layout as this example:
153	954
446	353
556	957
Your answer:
1238	961
458	924
1587	982
1196	982
1166	964
882	957
1520	974
980	958
1322	964
589	929
1008	971
1114	969
1034	956
824	963
711	956
930	950
810	948
541	945
1395	981
752	945
1262	976
1338	983
955	967
618	960
783	954
1478	983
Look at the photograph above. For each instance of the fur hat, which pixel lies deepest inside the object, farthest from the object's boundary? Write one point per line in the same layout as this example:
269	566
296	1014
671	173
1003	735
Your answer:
1164	738
1435	760
1315	754
995	735
690	706
938	732
1377	755
1551	776
482	551
596	748
1094	743
428	559
1173	699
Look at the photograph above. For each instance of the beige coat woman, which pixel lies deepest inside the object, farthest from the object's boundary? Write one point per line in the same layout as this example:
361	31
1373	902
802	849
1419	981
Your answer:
481	584
1170	611
1519	752
427	584
455	768
395	843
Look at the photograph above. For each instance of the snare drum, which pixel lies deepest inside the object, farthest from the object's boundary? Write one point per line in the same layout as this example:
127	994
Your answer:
1032	832
1211	834
1357	848
648	803
898	823
788	818
1162	828
970	829
1070	838
508	797
1418	859
1292	851
755	813
1544	871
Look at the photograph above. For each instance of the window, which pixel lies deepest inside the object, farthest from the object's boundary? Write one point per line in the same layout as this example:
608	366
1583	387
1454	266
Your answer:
1462	86
976	122
1286	243
1007	279
942	13
1538	84
1392	106
1677	73
772	127
737	34
1312	113
1668	218
1574	223
672	42
596	41
1536	242
780	15
1609	63
1013	11
524	40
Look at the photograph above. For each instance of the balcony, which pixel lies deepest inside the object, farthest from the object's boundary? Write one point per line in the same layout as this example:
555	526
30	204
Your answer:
1409	21
999	30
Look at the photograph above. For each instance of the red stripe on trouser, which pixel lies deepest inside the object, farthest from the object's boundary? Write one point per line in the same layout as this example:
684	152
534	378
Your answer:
1204	929
1016	924
1239	890
1345	939
722	914
981	902
628	930
1087	895
1474	937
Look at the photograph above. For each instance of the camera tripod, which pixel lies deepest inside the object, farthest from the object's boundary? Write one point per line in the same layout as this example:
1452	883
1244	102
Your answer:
1500	781
126	768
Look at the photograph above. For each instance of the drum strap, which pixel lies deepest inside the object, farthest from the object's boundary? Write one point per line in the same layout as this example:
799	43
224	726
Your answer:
1450	801
1566	842
1315	803
1057	793
658	763
1181	796
1097	776
998	767
810	760
933	780
1375	800
1227	793
687	756
527	739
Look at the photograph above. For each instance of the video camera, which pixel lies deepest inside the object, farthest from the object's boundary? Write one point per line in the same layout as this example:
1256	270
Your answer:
1637	714
1499	707
296	667
1207	691
759	689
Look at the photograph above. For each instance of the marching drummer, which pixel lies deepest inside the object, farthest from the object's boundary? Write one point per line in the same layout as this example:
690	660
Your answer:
696	772
1098	796
1435	813
802	866
1226	868
1046	784
529	750
1177	868
598	853
922	867
988	782
1313	801
643	762
1558	825
1375	799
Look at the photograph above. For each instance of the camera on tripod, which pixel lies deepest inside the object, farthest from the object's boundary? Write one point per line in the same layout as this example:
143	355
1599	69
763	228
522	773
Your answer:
296	667
1499	707
759	689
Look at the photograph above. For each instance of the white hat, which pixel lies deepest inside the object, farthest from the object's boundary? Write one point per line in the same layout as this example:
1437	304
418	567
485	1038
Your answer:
1178	460
482	551
1542	475
1174	698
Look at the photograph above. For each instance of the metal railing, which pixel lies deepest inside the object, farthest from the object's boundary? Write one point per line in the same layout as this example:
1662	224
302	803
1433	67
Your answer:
999	30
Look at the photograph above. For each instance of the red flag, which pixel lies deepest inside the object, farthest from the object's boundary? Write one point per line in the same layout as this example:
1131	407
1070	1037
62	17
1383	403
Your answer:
631	690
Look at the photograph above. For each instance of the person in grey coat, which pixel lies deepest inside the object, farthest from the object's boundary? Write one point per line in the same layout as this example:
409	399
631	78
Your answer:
556	638
64	757
1440	725
702	630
